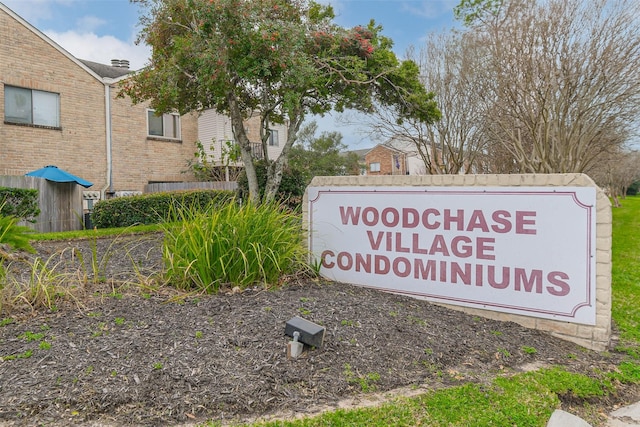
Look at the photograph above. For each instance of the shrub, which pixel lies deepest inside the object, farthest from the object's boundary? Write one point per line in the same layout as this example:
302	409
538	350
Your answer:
21	203
153	208
238	244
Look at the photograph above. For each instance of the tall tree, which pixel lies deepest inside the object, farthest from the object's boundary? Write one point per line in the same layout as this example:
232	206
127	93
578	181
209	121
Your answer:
448	64
562	81
279	59
323	155
616	172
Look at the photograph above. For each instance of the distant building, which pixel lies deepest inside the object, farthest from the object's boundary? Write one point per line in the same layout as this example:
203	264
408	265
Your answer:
386	160
396	156
400	156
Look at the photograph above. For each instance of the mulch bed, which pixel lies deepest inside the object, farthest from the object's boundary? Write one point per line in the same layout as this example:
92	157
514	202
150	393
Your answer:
129	354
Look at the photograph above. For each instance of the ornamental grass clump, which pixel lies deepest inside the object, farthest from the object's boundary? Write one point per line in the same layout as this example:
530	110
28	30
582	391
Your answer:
236	245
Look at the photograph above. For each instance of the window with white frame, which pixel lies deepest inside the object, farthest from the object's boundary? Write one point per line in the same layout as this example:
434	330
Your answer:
166	125
273	138
30	106
374	167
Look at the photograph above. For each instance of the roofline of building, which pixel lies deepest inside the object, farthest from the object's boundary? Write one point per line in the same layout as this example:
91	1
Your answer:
388	147
51	42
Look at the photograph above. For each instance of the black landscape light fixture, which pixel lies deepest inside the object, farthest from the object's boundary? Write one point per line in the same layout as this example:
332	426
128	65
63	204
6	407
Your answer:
305	332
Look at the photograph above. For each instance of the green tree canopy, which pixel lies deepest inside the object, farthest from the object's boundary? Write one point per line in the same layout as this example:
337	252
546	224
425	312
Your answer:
279	59
323	155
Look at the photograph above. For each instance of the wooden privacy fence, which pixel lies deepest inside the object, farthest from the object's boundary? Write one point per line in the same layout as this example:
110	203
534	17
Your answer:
175	186
60	203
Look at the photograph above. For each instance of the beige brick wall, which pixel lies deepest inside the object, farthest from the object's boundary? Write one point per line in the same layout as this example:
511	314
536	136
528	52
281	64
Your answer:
595	337
78	146
138	159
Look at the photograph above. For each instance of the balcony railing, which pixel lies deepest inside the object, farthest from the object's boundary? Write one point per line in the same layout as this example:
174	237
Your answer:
223	147
256	151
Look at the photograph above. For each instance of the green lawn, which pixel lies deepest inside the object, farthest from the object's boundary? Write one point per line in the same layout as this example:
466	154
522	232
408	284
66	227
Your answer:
626	273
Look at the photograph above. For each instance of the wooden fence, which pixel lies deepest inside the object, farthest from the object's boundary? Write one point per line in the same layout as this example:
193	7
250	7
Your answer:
175	186
60	203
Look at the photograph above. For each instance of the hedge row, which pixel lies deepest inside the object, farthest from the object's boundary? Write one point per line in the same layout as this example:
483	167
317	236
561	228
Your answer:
153	208
21	203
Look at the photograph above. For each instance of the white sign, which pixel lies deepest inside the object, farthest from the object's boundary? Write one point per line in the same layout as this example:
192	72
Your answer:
522	250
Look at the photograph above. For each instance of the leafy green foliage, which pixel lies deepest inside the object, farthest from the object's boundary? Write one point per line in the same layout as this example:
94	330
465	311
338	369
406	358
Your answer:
278	59
152	208
31	336
239	245
205	168
633	189
322	156
14	235
627	373
366	382
24	355
6	321
21	203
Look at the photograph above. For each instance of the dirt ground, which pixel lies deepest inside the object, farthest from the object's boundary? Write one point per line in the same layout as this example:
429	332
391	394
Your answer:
128	353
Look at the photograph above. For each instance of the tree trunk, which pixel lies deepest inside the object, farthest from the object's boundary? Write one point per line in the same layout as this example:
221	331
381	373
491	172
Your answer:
274	170
237	123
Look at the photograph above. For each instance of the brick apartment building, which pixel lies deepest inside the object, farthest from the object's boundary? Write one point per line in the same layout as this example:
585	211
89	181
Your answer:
386	160
57	109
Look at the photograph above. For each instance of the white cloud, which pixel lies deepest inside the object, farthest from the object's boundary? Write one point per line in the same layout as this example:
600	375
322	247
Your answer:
35	10
101	49
90	23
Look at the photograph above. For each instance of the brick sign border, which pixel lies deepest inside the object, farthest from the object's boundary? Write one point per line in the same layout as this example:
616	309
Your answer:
594	336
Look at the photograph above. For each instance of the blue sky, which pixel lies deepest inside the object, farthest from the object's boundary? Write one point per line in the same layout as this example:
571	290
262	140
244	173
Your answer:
101	30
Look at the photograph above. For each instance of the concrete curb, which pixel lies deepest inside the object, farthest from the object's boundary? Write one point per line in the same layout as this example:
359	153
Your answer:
560	418
627	416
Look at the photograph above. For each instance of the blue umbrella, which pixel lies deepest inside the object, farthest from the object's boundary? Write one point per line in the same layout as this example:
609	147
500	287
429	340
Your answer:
55	174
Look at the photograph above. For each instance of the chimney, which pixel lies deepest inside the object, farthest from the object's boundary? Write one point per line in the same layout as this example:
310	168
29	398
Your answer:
120	63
